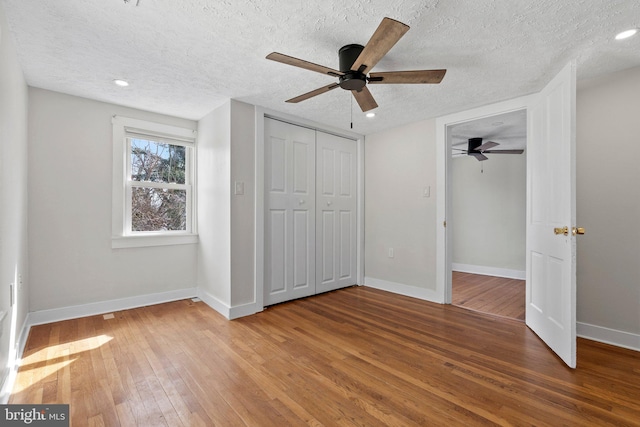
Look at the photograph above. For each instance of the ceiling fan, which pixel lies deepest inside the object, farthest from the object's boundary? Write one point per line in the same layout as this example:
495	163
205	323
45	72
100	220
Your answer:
355	63
478	149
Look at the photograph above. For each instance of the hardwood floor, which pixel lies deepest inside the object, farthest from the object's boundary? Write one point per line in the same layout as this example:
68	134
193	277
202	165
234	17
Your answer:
357	356
489	294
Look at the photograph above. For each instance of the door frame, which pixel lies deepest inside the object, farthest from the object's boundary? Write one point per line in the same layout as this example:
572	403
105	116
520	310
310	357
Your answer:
443	175
260	115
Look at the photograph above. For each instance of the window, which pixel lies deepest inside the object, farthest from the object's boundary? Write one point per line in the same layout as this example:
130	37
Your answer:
153	197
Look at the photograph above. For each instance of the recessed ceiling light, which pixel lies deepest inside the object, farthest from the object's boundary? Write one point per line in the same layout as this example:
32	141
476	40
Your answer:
626	34
121	83
370	115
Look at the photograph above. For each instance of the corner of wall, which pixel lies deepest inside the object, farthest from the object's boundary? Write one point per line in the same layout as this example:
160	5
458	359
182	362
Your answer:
14	263
214	204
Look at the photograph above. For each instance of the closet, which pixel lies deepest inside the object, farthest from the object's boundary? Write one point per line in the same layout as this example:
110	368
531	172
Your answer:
310	211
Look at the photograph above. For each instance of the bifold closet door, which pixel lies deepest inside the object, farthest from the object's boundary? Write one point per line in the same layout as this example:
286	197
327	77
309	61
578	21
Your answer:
336	212
290	224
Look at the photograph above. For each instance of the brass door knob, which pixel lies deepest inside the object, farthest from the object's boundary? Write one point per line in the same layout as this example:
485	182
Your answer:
563	230
577	230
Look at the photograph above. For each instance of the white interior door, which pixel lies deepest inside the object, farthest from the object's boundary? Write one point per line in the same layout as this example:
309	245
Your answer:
336	212
289	258
551	257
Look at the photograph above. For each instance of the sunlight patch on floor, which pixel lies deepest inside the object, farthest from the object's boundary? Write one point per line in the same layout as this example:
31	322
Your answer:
50	360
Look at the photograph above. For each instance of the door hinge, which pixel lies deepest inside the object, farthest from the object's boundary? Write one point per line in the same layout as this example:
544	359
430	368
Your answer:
444	224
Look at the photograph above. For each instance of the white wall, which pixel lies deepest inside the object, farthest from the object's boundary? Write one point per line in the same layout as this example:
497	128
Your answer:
226	256
13	201
608	202
70	168
399	164
243	167
214	207
488	221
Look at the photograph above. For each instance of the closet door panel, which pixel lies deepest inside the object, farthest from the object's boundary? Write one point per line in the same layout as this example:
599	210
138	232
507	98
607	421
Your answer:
289	212
336	205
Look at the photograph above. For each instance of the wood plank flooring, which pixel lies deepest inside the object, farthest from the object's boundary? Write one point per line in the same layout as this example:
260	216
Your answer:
353	357
488	294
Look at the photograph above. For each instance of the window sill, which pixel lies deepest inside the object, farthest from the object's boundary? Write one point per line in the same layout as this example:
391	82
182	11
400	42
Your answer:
121	242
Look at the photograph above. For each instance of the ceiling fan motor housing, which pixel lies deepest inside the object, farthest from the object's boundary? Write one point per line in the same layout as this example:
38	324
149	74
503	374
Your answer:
351	80
474	143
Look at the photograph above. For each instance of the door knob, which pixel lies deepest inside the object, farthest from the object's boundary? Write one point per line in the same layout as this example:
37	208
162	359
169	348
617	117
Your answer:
577	230
563	230
328	203
301	202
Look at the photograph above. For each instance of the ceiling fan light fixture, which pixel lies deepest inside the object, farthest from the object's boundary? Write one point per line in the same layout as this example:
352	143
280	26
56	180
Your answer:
121	83
626	34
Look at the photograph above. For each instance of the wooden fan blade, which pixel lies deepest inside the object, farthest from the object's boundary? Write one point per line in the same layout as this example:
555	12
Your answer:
479	157
487	145
365	99
383	39
504	152
419	76
313	93
290	60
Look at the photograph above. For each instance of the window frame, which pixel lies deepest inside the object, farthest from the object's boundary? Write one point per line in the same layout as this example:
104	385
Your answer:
122	235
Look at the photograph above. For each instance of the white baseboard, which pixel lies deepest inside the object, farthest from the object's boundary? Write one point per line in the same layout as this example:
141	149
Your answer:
608	336
224	309
214	303
92	309
243	310
402	289
489	271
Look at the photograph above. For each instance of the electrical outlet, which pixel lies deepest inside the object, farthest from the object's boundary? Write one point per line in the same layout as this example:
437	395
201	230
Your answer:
391	253
20	282
426	192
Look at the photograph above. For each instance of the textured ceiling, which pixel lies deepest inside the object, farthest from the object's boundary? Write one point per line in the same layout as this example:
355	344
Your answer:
186	57
508	129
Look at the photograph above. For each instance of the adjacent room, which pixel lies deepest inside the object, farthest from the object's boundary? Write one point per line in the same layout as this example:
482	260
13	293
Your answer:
488	214
319	213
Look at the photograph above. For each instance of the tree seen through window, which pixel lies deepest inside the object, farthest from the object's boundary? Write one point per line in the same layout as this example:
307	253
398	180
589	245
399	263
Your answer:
157	207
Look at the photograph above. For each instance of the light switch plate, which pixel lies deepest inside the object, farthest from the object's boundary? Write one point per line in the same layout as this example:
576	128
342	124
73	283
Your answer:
239	188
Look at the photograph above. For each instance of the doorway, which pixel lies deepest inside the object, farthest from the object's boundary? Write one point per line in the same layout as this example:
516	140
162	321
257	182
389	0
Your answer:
488	213
550	208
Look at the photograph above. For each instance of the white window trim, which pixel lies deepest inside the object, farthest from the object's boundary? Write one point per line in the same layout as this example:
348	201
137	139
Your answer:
120	219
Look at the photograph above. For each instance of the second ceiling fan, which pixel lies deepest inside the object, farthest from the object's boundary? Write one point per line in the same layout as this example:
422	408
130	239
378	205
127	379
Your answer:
478	149
355	63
